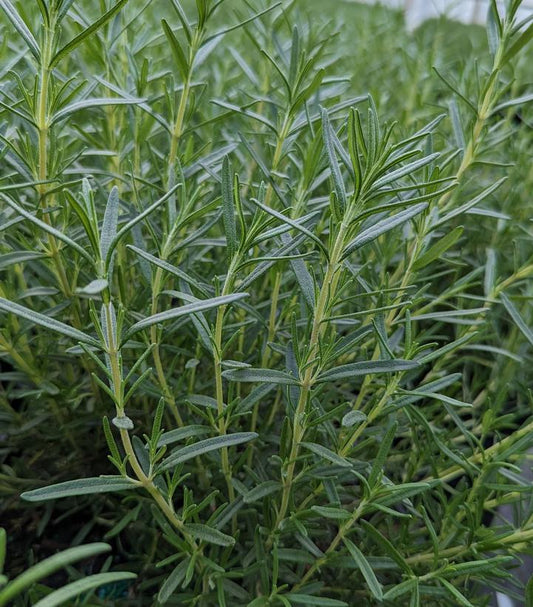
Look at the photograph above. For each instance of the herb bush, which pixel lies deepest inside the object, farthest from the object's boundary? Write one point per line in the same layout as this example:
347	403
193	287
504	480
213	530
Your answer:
262	331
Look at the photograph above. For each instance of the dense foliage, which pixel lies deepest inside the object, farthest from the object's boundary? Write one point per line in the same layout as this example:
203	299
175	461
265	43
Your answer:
265	304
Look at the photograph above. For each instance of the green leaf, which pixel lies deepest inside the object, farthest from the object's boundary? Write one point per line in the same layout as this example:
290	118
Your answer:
179	434
261	491
518	320
337	514
265	376
438	249
512	103
295	56
520	41
367	368
320	601
44	11
457	125
381	456
228	208
3	543
440	397
46	322
210	535
303	276
94	287
382	226
123	422
192	308
470	204
87	32
47	228
18	23
64	8
91	103
404	170
306	93
294	224
85	215
82	486
458	596
176	50
494	27
490	273
353	417
388	547
111	443
49	566
366	569
336	175
440	352
175	578
255	396
529	593
326	454
168	267
205	446
400	589
110	223
183	19
261	164
9	259
133	222
240	24
59	597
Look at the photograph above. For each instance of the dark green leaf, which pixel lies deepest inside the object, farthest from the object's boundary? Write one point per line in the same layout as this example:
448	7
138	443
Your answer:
176	50
91	103
352	418
210	535
82	486
46	322
529	592
228	207
168	267
518	44
518	320
337	514
47	228
133	222
49	566
327	454
382	226
320	601
9	259
458	596
338	182
261	491
205	446
110	224
265	376
366	368
192	308
438	249
293	224
18	23
86	33
175	578
366	569
59	597
403	171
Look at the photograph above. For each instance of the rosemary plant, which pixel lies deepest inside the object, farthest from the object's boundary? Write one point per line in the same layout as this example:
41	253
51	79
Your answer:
266	304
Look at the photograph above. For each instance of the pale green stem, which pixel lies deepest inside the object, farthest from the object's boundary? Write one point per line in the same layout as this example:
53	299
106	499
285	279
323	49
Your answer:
311	365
